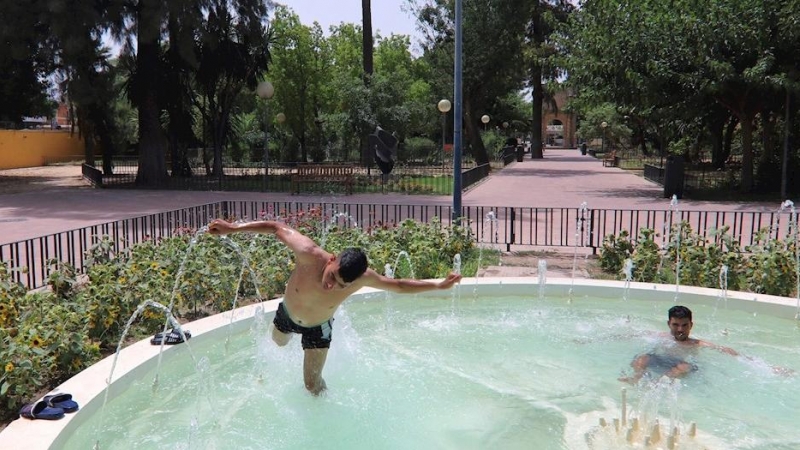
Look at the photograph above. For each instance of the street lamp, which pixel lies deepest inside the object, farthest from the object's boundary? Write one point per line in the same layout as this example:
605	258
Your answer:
444	108
485	119
603	125
280	117
265	91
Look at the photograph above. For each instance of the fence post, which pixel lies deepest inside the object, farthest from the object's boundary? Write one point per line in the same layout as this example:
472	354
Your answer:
224	205
591	232
512	237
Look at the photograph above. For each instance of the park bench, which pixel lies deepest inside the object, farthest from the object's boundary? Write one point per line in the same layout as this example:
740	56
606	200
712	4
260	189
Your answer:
611	159
339	174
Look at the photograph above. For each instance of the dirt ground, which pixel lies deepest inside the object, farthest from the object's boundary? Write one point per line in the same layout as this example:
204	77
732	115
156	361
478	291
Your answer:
559	264
14	181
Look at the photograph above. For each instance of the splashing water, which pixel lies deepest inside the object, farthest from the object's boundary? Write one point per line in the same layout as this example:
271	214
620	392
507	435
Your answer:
789	205
579	229
174	294
245	266
494	231
402	254
627	270
456	291
346	221
673	206
723	290
388	271
542	273
170	320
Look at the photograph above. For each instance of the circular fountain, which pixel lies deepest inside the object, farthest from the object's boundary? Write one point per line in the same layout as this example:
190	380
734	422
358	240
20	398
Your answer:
507	368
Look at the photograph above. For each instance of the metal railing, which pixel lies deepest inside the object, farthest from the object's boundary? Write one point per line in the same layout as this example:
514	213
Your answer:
501	227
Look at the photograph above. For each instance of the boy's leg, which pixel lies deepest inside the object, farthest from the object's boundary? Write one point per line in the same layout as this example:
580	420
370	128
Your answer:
279	337
313	363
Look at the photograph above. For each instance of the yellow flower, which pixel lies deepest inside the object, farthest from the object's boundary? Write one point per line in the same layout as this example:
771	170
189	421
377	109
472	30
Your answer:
9	367
122	280
36	341
154	265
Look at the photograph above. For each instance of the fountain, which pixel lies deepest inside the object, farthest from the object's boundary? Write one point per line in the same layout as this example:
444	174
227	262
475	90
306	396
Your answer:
542	276
580	227
789	205
627	270
476	372
335	219
673	208
457	271
403	254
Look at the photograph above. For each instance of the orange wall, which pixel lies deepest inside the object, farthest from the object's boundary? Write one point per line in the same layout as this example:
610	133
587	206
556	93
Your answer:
32	148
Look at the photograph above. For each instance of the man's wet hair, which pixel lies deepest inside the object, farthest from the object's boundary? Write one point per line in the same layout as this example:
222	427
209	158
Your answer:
680	312
352	264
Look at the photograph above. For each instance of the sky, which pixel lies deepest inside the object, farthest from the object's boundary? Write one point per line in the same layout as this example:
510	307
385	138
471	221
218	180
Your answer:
388	16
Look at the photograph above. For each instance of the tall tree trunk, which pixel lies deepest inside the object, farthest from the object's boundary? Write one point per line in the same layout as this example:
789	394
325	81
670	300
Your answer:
536	84
152	165
366	39
474	133
727	143
716	131
747	152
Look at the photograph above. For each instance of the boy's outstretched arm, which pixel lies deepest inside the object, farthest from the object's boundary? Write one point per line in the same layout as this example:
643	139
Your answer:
406	285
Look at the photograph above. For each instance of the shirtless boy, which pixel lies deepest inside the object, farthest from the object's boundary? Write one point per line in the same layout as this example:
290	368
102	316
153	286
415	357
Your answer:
320	283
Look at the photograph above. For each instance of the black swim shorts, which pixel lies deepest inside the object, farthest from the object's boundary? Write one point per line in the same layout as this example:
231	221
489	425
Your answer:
663	363
313	337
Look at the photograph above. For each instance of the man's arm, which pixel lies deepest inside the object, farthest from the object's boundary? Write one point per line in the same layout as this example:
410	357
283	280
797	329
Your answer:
720	348
296	241
405	285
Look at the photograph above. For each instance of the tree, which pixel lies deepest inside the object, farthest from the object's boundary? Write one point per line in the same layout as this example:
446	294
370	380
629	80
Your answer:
301	63
26	60
668	60
493	40
234	55
545	18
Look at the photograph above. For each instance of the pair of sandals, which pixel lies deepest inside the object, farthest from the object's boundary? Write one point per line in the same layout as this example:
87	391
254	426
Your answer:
172	337
51	407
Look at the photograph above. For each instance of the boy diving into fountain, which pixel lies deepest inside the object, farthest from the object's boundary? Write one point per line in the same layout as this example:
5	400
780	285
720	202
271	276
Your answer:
320	283
672	358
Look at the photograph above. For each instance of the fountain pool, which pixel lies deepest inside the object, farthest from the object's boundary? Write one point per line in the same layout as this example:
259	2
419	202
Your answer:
506	370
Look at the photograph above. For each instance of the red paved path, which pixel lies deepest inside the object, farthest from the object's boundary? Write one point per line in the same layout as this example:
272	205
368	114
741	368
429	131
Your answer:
564	178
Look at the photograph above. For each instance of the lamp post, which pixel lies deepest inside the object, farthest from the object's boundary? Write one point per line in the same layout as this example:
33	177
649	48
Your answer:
265	91
603	125
444	108
485	119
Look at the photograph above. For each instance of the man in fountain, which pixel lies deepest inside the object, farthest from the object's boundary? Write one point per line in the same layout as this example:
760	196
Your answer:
320	283
671	358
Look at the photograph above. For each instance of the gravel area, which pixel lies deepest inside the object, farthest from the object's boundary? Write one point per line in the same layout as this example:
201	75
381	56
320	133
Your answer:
14	181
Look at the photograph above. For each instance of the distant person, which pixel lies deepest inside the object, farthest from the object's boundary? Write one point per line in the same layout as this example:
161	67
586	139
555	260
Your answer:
320	283
671	358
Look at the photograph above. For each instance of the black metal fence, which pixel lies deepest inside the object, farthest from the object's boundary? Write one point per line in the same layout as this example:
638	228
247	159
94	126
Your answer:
504	228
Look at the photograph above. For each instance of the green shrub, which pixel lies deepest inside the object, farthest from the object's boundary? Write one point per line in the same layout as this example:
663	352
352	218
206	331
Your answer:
50	335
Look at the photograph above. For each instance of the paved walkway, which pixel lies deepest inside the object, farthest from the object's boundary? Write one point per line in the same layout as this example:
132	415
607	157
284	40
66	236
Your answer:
564	178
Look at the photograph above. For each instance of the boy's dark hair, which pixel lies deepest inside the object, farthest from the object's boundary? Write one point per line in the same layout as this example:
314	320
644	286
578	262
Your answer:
352	264
680	312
